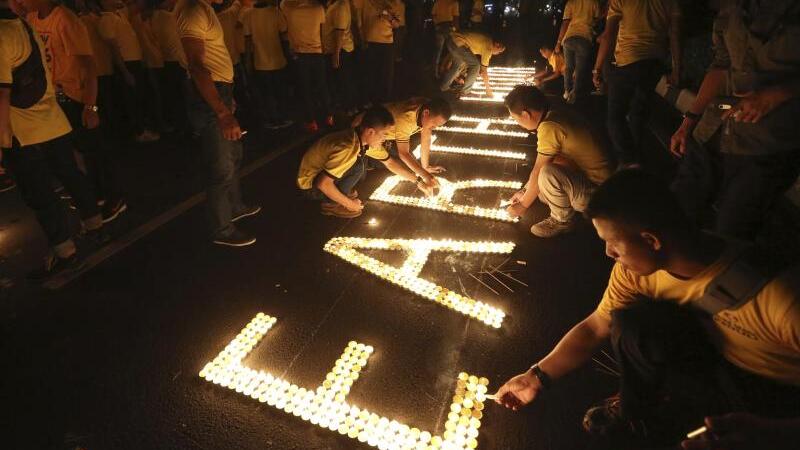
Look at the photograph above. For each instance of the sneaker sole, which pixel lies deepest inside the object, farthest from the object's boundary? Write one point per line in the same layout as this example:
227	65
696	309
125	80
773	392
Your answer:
121	210
333	214
235	244
242	216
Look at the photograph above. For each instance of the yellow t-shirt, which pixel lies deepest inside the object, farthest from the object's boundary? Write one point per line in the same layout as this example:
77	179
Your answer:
400	11
337	17
264	24
762	337
405	119
478	43
566	134
103	62
581	15
229	19
476	16
243	13
118	32
151	52
444	11
376	28
43	121
196	20
304	19
65	39
334	154
643	29
556	61
165	31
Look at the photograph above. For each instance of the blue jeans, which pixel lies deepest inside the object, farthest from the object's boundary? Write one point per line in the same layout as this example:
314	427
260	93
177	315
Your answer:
462	56
222	160
577	52
630	90
347	182
442	32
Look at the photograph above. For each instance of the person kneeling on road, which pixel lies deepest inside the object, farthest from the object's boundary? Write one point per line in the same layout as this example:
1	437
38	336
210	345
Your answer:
331	168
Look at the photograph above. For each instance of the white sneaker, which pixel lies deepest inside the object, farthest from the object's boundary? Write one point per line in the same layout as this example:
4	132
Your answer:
550	227
566	95
571	97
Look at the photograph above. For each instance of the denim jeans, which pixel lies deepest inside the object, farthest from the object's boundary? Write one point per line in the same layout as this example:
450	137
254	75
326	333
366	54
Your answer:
34	167
577	53
222	160
442	32
630	91
462	56
311	72
347	183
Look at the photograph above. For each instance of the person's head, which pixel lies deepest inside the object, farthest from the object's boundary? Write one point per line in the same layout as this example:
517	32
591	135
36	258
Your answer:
527	106
498	46
435	113
546	51
639	219
111	5
31	6
374	125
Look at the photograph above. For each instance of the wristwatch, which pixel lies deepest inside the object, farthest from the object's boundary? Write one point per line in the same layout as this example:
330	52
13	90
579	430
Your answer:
544	378
92	108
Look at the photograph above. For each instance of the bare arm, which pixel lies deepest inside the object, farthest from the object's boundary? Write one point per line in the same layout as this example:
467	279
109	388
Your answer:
404	151
561	33
709	89
400	170
676	50
5	117
607	45
485	77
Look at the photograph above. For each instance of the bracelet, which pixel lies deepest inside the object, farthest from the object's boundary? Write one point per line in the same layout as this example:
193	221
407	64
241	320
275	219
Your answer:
92	108
544	378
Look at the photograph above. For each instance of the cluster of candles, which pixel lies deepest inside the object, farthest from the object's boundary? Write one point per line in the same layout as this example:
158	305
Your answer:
443	201
510	154
483	128
326	407
407	276
502	79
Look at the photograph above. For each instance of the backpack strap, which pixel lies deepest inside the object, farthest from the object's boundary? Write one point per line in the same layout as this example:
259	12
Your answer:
737	284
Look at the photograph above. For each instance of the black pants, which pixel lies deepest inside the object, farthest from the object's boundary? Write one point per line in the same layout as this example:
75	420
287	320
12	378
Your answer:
311	72
100	163
380	64
271	94
743	187
672	376
343	83
173	77
134	98
34	167
630	91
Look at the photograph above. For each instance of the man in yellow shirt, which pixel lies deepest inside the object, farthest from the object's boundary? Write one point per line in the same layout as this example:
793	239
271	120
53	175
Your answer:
570	161
304	20
699	326
74	74
473	50
638	33
34	140
445	16
575	40
548	80
210	106
338	44
379	18
331	168
165	31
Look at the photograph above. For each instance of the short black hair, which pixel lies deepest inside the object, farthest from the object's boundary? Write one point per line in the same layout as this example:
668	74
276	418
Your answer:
376	117
439	107
637	198
526	97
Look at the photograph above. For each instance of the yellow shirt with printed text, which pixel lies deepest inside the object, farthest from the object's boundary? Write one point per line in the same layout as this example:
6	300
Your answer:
762	336
581	14
334	154
197	20
43	121
566	134
643	28
264	24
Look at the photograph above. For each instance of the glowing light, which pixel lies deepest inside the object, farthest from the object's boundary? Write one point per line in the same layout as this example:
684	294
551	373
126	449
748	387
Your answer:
443	201
326	407
407	276
373	221
492	153
479	96
482	127
495	120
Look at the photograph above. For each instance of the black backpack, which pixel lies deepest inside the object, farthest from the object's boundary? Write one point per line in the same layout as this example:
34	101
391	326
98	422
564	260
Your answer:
29	83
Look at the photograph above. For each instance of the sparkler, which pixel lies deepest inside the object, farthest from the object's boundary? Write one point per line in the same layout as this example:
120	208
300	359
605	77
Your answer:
443	201
326	407
407	276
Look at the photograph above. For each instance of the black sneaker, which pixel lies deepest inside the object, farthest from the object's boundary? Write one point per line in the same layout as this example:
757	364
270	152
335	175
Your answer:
247	212
54	265
112	210
235	239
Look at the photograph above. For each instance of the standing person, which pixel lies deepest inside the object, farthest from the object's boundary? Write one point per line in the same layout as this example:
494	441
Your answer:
401	31
575	40
570	162
548	80
475	51
73	71
445	16
750	154
117	31
379	19
35	144
263	27
173	78
139	15
304	19
210	105
229	13
476	16
338	44
89	13
639	33
698	325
